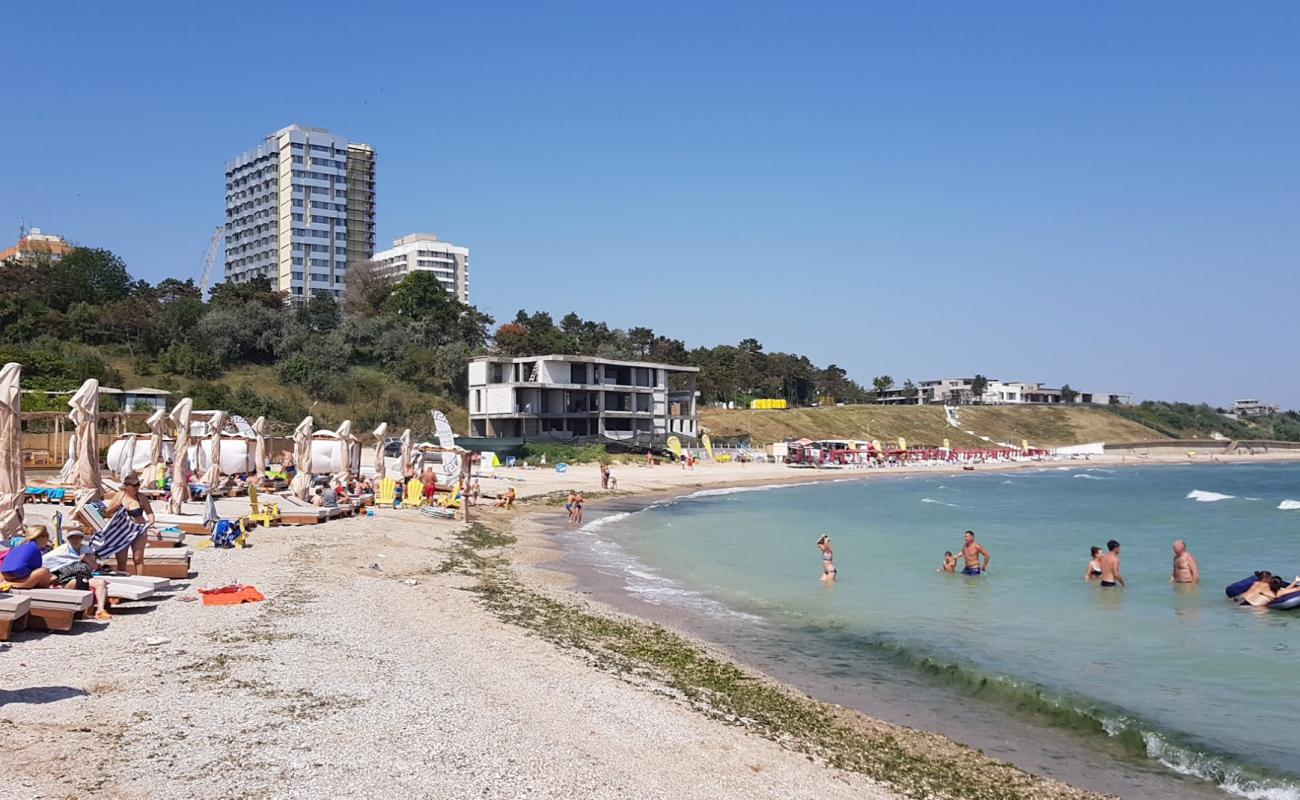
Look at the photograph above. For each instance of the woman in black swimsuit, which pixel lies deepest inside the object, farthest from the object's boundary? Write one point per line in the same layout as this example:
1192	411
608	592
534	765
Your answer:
138	509
1093	572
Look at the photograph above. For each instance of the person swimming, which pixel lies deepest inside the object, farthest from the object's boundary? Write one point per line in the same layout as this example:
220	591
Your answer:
829	573
949	562
1093	571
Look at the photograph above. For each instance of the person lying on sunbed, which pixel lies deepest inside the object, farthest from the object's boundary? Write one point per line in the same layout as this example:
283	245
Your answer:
22	568
73	565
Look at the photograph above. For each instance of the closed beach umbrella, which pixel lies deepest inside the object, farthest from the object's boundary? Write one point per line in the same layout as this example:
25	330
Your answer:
346	442
210	515
155	423
406	450
180	455
259	445
212	475
379	450
302	458
12	481
85	416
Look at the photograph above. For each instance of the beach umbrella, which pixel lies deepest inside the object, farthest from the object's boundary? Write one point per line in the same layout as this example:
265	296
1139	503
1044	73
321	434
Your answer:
259	445
155	423
180	455
302	458
406	450
85	475
12	481
380	469
212	475
126	465
347	445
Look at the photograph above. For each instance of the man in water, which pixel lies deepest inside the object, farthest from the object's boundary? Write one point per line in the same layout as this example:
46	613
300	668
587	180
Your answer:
1110	566
1185	568
971	551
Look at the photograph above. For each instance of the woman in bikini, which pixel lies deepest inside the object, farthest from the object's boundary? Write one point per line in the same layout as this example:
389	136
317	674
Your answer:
138	509
829	573
1093	572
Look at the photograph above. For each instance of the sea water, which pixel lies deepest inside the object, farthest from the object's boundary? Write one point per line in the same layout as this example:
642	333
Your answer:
1175	676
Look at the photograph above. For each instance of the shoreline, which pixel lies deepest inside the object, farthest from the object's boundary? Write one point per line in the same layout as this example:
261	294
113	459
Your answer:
1035	745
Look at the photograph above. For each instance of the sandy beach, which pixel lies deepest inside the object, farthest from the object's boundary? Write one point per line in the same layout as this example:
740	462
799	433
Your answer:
421	657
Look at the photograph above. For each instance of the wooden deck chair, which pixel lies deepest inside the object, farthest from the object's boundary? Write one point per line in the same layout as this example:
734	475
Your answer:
387	492
266	513
413	497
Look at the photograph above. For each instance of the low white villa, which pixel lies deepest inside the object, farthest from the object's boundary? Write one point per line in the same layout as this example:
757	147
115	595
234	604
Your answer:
564	397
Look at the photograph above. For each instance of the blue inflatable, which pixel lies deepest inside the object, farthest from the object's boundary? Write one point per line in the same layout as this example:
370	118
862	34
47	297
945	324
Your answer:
1286	603
1239	587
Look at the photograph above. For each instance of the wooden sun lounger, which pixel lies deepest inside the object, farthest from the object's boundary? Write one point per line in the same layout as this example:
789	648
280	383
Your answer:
188	523
297	512
55	609
167	562
13	614
158	585
127	590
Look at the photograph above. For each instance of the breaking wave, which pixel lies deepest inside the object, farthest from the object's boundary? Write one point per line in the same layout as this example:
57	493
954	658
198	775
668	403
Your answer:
1202	496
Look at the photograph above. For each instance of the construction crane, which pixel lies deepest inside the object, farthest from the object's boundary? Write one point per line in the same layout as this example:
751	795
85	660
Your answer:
214	248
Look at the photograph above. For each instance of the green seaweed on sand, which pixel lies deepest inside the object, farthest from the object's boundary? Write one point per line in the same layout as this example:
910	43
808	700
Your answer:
912	763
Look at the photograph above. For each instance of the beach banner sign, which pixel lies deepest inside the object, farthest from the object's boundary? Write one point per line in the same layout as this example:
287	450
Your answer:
902	444
945	445
675	445
708	445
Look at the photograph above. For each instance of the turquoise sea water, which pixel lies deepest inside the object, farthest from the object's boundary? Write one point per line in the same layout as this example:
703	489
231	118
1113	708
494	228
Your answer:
1180	677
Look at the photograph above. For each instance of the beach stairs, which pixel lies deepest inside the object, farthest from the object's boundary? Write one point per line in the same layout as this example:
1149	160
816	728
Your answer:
13	614
55	609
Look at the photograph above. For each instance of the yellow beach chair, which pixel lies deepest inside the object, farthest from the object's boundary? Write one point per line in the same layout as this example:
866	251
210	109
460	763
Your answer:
386	493
266	513
414	495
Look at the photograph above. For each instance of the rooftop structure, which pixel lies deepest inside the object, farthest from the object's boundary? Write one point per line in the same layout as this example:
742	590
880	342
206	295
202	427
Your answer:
36	245
1253	408
300	207
569	397
422	252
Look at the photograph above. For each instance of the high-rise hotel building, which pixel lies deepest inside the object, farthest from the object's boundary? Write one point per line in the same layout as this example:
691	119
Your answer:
300	207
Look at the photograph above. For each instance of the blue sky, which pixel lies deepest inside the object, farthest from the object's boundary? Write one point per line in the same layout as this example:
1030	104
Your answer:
1104	194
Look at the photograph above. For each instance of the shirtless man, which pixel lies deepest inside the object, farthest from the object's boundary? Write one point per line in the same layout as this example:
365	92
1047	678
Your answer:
1185	568
1110	566
971	551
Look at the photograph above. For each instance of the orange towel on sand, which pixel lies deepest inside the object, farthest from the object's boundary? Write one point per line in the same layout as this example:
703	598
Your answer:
231	595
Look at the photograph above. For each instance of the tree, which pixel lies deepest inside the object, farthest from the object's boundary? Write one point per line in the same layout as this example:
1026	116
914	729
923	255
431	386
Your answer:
1068	395
320	314
641	339
367	291
258	291
91	275
881	384
978	386
909	390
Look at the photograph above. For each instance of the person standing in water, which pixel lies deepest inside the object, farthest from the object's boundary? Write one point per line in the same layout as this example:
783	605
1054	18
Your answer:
829	573
949	562
1093	571
1110	566
971	551
1185	567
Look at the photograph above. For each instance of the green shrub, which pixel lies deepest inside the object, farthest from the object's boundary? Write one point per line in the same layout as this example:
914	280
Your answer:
567	453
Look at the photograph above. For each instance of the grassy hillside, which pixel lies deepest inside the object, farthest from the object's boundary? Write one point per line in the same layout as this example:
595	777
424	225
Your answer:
1041	425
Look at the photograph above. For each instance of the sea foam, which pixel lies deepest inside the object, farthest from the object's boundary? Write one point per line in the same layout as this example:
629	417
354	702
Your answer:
1202	496
1289	505
939	502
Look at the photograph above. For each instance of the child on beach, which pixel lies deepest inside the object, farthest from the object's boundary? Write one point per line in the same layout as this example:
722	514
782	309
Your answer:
949	562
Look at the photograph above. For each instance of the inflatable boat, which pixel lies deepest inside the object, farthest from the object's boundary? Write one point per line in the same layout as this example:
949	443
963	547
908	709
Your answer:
1235	590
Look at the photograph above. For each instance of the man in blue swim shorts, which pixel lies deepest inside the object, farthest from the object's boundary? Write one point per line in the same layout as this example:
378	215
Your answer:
971	551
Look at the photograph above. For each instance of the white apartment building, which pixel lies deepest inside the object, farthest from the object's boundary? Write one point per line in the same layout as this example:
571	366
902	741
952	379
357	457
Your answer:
960	391
423	252
300	207
564	397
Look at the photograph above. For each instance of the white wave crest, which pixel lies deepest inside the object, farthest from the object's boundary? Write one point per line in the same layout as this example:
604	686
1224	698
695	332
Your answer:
1207	767
1202	496
1289	505
1091	477
939	502
596	524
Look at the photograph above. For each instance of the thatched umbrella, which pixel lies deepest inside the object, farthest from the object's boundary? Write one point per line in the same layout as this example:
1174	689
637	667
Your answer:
406	451
180	455
155	423
85	440
302	458
380	469
259	445
12	481
212	475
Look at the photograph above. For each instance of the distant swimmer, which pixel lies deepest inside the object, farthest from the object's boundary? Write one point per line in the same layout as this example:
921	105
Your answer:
1110	566
971	551
829	573
1185	567
949	562
1093	571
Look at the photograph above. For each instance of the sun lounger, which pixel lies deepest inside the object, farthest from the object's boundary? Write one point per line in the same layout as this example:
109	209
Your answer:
297	512
55	609
13	614
158	585
167	562
188	523
127	590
